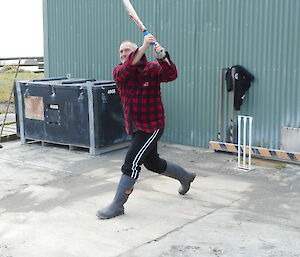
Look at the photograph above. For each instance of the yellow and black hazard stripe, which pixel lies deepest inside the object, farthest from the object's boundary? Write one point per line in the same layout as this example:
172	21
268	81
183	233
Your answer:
256	151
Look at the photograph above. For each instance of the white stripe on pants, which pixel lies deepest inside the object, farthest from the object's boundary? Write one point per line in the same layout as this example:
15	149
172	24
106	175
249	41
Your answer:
140	154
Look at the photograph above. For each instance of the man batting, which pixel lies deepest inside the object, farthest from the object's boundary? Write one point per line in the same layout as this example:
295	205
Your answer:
138	82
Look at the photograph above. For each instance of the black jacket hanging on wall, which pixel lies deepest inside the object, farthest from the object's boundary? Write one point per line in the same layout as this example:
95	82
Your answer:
243	79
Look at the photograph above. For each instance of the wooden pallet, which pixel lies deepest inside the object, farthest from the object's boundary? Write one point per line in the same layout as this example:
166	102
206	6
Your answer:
9	132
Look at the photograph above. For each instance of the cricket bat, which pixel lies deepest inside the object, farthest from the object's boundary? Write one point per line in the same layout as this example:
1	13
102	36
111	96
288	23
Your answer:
132	13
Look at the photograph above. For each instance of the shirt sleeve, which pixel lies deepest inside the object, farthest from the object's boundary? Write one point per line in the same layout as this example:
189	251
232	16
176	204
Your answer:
125	71
166	72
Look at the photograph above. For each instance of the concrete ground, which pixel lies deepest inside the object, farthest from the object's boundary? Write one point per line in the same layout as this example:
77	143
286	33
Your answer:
49	196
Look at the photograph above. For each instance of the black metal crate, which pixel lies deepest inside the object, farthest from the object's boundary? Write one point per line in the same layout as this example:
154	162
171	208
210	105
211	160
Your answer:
76	112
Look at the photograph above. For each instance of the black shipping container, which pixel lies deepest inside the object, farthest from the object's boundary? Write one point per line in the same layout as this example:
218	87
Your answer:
75	112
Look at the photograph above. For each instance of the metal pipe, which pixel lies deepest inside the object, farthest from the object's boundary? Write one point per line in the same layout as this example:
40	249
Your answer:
220	103
250	140
22	58
91	118
20	113
239	140
245	142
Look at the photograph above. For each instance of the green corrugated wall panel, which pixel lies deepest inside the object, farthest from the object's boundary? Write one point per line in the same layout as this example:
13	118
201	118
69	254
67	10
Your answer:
178	34
82	38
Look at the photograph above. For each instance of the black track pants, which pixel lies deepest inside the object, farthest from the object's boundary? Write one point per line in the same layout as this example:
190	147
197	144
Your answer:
143	150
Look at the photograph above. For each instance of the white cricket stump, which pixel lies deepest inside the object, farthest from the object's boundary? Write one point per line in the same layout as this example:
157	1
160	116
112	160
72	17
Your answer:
244	131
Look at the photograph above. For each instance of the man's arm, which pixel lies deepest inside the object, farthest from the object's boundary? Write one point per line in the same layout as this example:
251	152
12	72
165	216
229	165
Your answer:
163	56
141	51
167	70
148	39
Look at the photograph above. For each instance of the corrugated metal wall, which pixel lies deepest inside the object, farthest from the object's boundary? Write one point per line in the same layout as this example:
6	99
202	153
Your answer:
82	38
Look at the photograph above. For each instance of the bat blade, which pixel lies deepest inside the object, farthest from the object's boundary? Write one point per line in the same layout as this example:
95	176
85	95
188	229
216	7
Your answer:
132	13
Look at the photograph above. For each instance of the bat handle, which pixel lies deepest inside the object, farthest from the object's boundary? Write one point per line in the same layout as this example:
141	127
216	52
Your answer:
146	32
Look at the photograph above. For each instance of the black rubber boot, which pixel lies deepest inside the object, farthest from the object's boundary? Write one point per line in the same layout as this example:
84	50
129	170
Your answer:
116	208
184	177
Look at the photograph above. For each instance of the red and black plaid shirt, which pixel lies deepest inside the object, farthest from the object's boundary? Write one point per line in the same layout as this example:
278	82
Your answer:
139	87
